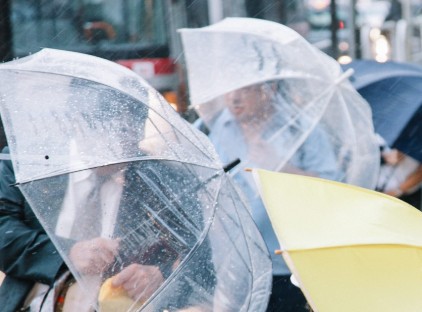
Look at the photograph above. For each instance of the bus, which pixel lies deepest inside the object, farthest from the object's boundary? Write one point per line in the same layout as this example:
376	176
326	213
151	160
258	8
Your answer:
139	34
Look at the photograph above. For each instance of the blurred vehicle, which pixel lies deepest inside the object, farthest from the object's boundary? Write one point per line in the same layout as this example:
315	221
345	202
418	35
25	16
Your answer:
137	34
142	34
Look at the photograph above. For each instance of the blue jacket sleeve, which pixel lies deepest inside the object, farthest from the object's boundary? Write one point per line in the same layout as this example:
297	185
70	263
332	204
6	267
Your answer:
26	252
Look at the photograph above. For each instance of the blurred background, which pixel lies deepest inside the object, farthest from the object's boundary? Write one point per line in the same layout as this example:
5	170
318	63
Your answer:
142	34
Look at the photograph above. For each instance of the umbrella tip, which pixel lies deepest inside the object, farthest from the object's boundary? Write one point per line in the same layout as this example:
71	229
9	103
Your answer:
345	75
248	169
278	251
231	165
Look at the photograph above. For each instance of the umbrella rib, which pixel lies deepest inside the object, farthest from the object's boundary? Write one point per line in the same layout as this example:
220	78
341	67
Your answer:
200	242
240	225
309	107
169	203
289	75
248	251
142	158
166	140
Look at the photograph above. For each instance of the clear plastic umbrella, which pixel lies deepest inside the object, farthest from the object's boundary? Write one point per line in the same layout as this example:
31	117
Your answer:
108	167
276	102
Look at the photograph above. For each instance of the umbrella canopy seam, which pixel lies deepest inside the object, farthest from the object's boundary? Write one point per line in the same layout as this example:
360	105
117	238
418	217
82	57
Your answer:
115	163
108	86
192	251
282	76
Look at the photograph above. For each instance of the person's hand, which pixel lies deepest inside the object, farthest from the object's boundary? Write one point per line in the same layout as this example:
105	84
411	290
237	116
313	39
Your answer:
140	281
395	192
393	157
93	256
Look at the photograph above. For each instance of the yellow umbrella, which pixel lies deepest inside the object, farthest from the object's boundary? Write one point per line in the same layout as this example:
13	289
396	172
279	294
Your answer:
351	249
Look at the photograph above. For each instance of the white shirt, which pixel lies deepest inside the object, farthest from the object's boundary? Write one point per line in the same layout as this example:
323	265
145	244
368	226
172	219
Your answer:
73	221
313	155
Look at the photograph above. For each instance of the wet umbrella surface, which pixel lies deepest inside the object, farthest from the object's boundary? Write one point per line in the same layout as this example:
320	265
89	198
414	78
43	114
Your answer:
106	164
274	101
292	105
393	91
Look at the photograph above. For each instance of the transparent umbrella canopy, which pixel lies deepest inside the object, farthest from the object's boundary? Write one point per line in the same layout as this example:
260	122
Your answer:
268	95
101	156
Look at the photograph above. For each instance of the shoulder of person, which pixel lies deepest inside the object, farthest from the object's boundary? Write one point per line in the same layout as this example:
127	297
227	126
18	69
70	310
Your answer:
6	164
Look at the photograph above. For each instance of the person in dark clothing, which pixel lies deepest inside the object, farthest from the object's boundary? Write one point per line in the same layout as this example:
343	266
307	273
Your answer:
27	255
35	259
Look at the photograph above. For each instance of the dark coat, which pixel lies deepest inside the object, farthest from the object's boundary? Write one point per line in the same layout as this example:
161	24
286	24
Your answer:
26	253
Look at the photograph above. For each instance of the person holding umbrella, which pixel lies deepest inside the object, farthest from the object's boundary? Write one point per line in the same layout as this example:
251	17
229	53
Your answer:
98	207
32	258
33	265
157	237
275	102
39	266
36	271
247	129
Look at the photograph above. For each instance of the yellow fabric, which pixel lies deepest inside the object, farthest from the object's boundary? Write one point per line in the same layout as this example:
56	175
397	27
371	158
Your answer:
115	299
385	278
310	212
351	249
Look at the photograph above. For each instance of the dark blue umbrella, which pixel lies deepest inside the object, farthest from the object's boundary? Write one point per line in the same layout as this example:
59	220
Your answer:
394	91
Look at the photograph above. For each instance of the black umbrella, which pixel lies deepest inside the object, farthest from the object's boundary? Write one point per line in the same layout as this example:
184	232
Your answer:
394	92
